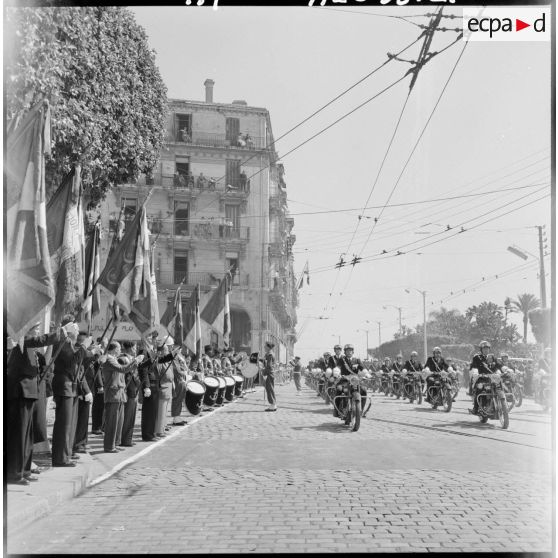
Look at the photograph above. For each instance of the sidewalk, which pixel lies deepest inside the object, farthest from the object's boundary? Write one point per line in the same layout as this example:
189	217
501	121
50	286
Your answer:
25	504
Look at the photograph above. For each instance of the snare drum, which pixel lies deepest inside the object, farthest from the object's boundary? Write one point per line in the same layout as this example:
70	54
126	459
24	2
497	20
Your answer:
238	380
194	395
211	390
221	391
229	389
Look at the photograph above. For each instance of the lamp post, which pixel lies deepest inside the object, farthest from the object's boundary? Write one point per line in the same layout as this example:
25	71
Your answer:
365	331
521	253
379	334
424	338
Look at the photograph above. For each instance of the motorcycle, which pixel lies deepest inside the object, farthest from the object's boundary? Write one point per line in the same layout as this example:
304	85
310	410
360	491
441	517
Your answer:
374	382
454	384
347	401
385	383
330	380
491	399
439	392
413	387
396	385
512	391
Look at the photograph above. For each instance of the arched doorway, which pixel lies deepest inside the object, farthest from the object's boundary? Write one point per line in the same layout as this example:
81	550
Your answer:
241	330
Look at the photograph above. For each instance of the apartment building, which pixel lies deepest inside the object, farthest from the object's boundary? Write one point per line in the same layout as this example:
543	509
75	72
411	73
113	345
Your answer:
218	203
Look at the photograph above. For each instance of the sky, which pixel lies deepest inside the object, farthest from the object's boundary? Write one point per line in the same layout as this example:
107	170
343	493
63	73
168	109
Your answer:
482	138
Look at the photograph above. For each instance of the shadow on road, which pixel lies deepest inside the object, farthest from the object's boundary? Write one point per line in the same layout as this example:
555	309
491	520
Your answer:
326	427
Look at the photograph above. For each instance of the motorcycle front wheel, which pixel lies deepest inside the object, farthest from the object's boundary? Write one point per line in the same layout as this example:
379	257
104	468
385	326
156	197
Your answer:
419	395
447	400
503	413
356	412
518	396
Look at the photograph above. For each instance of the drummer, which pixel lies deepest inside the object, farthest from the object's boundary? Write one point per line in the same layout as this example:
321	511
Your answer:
180	371
216	363
226	364
207	359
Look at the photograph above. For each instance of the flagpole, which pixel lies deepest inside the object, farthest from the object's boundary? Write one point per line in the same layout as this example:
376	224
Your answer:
106	328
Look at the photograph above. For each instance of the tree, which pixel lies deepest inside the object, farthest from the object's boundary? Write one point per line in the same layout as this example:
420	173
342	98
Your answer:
486	322
405	332
447	322
540	325
108	101
524	304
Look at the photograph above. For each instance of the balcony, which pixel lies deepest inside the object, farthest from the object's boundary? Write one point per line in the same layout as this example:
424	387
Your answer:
206	139
210	230
206	280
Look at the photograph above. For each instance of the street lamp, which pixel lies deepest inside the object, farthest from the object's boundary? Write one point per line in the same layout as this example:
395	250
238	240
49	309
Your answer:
398	308
423	293
521	253
365	331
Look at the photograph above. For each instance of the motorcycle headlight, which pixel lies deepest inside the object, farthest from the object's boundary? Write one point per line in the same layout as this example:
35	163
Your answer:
346	390
336	372
339	388
328	372
480	386
353	380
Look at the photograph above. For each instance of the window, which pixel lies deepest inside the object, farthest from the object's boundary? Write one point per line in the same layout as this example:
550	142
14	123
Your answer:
182	174
231	264
232	174
232	130
183	127
181	216
180	265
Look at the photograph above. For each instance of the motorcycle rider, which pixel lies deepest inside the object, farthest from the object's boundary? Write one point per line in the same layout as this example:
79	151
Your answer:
335	359
482	364
375	366
349	364
414	368
385	371
435	364
397	368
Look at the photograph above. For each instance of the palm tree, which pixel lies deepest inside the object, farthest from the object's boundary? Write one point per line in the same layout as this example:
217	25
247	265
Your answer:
524	304
508	308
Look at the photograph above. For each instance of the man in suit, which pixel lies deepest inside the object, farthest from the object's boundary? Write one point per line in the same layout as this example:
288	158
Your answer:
64	387
180	370
22	392
133	385
84	393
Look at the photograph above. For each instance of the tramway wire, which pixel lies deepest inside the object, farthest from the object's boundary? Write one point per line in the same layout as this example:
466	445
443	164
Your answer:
383	257
358	258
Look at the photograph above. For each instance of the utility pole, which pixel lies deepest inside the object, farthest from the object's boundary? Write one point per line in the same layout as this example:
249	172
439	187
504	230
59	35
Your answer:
541	266
379	334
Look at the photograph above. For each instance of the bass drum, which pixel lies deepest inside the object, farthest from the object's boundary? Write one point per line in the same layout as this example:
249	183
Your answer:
195	392
238	380
229	389
211	390
250	370
221	391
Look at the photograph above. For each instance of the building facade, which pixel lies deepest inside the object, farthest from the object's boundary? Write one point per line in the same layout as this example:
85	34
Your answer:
219	203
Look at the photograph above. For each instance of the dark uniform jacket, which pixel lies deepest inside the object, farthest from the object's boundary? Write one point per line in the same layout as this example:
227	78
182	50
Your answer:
113	378
148	373
334	361
384	369
481	364
413	366
132	381
350	365
23	367
398	368
66	370
436	366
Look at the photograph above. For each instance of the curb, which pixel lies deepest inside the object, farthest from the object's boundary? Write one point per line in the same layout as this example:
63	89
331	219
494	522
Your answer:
91	475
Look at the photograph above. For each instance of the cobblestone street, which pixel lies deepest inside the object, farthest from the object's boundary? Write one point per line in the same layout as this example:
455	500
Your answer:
242	480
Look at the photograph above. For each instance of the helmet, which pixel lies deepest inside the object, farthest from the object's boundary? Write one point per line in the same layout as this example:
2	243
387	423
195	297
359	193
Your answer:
414	353
504	355
335	347
437	350
348	346
399	356
484	344
386	359
327	353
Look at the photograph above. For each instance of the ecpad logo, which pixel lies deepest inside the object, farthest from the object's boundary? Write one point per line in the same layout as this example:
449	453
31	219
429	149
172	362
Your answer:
506	24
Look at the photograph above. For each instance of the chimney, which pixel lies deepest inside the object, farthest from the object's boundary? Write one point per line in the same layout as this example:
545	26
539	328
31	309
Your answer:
209	83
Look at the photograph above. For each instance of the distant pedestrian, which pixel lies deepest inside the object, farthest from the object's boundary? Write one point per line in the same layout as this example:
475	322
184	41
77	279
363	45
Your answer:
297	369
269	375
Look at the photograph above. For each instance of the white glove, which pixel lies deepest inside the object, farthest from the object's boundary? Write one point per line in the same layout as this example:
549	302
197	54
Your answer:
103	359
139	358
88	397
147	392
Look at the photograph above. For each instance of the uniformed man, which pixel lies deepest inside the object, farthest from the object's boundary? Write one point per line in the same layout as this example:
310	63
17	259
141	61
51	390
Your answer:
133	385
435	364
480	365
269	375
335	359
22	391
413	366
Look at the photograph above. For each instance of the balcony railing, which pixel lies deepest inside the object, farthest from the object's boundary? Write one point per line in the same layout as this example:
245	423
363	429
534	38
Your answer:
205	279
198	230
202	182
207	139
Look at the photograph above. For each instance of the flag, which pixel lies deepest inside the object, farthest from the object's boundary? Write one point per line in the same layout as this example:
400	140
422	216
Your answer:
172	318
127	274
192	323
154	301
214	311
66	244
91	303
306	272
227	316
29	286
